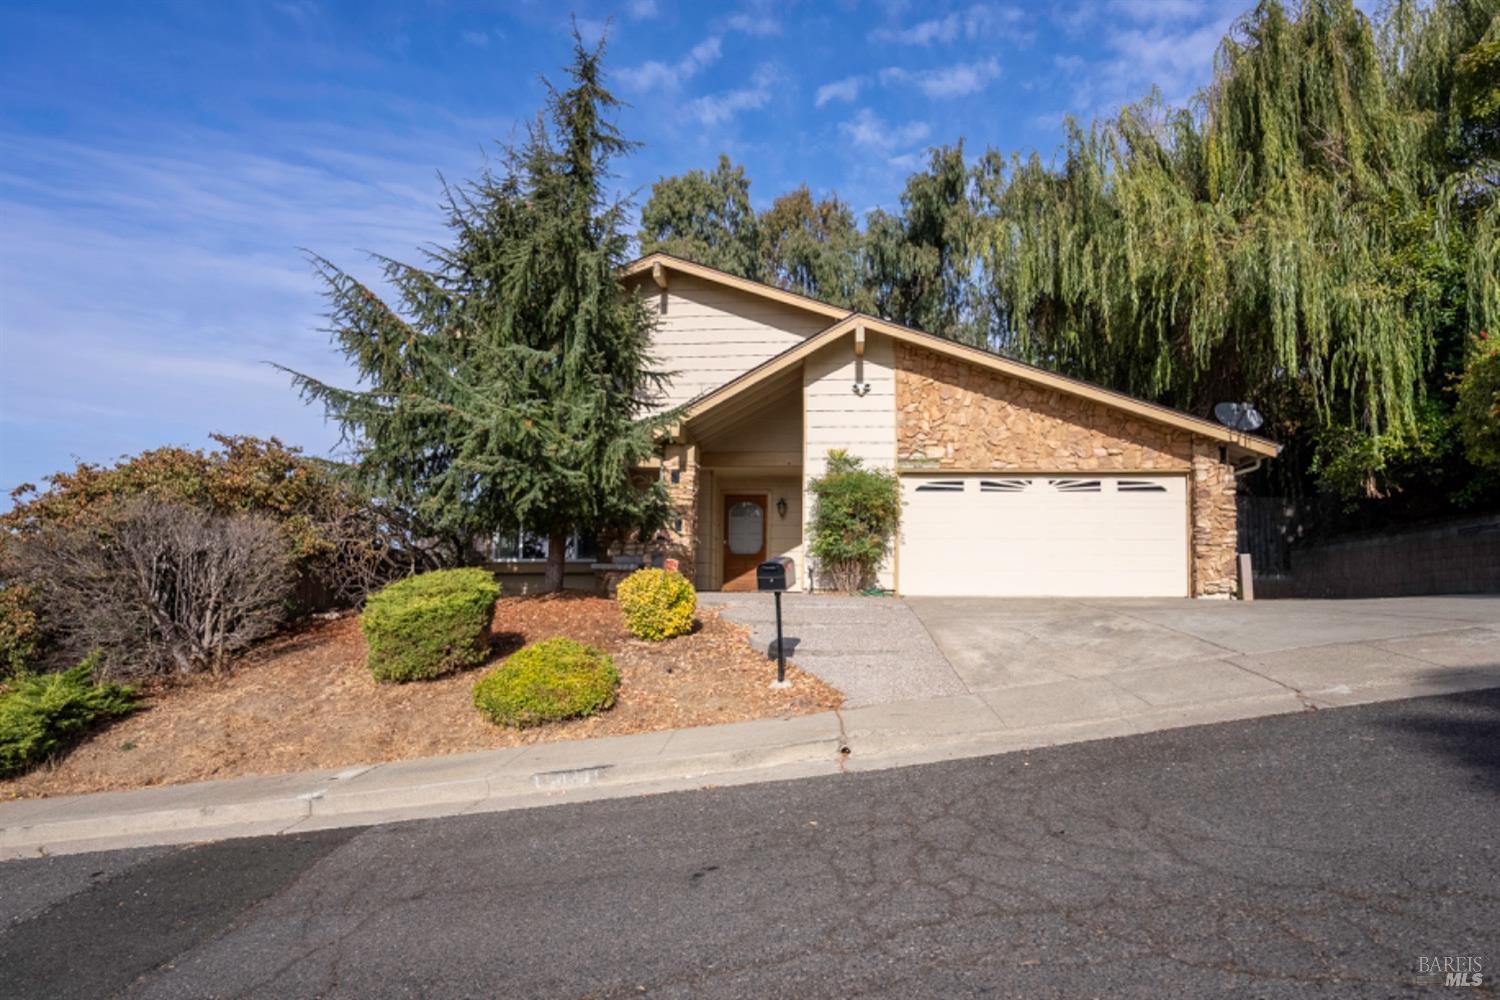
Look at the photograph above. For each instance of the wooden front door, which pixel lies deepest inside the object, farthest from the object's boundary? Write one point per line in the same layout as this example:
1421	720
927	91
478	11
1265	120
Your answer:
744	539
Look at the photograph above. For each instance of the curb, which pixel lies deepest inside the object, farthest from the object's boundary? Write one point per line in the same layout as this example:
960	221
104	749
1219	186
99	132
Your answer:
571	772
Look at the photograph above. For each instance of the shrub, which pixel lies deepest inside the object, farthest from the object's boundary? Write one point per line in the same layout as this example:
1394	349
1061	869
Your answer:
855	514
19	630
343	542
45	714
425	625
548	681
657	603
158	588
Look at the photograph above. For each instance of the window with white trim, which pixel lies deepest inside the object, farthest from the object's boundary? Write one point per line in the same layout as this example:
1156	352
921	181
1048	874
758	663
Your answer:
526	546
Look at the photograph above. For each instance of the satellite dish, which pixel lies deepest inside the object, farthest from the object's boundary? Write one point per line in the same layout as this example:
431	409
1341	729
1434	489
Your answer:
1238	416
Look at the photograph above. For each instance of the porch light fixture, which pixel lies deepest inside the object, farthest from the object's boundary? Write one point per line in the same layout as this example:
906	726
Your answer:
781	507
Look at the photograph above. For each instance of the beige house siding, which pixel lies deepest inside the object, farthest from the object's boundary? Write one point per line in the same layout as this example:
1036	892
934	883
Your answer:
783	534
773	431
959	417
708	333
835	417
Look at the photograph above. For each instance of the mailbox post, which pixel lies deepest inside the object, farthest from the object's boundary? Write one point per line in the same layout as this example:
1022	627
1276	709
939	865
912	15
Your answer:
776	575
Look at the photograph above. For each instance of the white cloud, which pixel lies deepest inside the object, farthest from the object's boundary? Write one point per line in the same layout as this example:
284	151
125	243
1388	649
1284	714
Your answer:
868	131
957	80
716	109
846	89
189	241
641	10
1169	45
759	23
922	33
653	74
977	22
478	39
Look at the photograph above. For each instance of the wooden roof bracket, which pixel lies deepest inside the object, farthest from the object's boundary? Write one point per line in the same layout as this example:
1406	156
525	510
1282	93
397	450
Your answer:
861	387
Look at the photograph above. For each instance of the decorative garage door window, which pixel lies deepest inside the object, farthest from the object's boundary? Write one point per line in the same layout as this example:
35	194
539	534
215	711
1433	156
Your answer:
746	528
1076	485
1003	485
1139	486
942	486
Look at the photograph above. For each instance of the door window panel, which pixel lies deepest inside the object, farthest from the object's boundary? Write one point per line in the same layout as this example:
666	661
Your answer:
746	528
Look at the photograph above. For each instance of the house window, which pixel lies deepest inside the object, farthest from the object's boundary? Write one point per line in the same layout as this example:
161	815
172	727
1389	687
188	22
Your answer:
525	546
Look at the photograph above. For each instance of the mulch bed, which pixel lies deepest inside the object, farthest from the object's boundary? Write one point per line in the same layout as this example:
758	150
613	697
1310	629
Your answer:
306	701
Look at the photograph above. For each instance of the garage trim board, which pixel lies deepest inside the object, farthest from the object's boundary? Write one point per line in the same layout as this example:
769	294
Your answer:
1063	534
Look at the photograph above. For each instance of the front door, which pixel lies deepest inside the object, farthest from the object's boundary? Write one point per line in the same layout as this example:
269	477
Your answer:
744	539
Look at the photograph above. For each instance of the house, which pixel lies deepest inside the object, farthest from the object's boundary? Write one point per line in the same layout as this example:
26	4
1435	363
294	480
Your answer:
1016	481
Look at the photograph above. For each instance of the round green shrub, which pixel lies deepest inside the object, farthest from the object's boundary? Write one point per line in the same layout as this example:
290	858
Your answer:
657	603
547	681
426	625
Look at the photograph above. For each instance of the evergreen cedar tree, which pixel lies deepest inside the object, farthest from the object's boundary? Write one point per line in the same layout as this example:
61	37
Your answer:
508	376
1318	232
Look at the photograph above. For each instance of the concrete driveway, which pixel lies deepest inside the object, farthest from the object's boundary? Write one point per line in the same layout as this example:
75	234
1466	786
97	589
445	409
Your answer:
1080	659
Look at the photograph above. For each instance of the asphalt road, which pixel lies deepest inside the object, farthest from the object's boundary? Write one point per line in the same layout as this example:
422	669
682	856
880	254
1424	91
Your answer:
1318	854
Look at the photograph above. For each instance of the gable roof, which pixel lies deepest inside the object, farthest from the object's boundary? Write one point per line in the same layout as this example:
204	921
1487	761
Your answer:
846	322
985	359
668	263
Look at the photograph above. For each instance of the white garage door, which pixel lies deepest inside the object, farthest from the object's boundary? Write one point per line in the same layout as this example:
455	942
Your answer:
1067	535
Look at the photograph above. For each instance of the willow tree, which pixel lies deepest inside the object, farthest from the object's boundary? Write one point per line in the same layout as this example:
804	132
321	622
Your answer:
506	378
1289	238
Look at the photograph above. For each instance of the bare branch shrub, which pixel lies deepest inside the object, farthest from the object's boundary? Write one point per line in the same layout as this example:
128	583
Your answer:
160	589
366	546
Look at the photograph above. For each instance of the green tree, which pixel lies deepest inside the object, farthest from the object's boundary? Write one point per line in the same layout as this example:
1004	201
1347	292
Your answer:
812	247
1479	404
505	381
1297	237
705	218
919	265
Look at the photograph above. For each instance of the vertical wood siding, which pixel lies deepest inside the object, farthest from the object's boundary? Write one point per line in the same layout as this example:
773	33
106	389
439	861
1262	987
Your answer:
834	417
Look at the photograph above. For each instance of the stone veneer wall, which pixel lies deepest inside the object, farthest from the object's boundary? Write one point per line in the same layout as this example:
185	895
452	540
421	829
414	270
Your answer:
679	539
1215	523
954	415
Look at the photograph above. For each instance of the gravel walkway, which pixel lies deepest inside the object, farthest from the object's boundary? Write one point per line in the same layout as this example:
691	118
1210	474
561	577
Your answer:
874	649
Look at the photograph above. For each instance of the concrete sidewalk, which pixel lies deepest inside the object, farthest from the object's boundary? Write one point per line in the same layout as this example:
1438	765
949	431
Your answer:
899	733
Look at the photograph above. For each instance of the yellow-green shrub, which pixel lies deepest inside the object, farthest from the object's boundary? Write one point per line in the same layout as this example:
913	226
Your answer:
657	603
425	625
548	681
42	715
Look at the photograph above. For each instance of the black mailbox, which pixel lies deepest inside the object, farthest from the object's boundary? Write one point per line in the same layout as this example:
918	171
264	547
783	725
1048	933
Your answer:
776	574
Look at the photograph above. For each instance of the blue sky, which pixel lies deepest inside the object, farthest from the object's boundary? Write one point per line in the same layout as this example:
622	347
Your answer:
161	164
